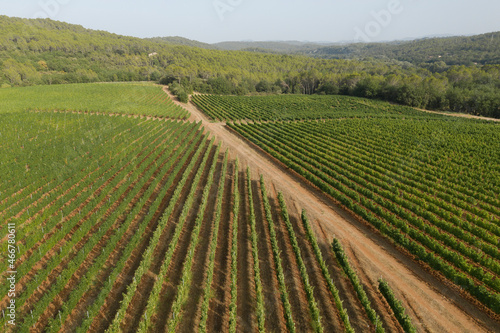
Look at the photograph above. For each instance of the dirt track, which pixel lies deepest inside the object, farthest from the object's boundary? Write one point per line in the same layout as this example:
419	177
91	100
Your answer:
433	306
461	115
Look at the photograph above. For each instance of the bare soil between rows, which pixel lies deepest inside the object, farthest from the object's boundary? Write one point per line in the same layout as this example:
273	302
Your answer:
435	306
218	314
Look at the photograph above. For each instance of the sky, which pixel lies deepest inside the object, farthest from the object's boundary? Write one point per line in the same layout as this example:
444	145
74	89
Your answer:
214	21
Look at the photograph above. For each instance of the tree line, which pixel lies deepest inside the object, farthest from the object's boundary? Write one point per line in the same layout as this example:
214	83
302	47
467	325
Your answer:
43	51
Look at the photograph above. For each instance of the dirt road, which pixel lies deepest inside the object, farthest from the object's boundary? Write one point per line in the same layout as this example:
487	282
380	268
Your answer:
433	306
461	115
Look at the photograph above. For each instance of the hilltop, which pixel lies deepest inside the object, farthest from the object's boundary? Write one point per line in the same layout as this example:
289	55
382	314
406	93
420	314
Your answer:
430	52
447	51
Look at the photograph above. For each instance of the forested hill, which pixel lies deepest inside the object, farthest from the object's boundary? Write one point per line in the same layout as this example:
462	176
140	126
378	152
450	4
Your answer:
177	40
287	47
43	51
433	52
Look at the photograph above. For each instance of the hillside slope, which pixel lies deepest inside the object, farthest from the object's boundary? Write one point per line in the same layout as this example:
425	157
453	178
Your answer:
480	49
43	51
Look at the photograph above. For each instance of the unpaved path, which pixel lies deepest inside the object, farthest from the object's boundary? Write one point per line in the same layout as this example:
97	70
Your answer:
434	306
459	115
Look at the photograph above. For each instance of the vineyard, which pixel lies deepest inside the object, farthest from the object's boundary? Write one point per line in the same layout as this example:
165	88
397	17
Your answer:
431	187
127	224
122	98
290	107
118	215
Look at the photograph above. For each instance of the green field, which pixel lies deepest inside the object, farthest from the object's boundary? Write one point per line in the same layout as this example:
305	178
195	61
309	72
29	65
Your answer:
120	223
93	206
298	107
117	98
429	185
170	185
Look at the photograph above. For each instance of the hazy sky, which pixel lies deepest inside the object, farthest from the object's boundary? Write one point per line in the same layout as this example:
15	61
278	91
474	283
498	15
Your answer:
313	20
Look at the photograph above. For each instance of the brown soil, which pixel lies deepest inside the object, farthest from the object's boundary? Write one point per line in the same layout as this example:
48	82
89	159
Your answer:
440	307
77	314
48	183
295	287
111	114
81	271
14	194
246	299
329	315
174	272
92	255
448	248
378	303
460	115
190	313
350	301
112	302
44	195
275	317
41	264
20	284
50	204
59	208
50	233
27	197
218	313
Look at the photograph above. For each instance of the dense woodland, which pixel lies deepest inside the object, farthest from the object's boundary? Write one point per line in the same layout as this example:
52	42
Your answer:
42	51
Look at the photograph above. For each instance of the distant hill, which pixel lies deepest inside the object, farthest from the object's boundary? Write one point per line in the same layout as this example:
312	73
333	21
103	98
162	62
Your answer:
480	49
283	47
182	41
434	53
277	46
44	51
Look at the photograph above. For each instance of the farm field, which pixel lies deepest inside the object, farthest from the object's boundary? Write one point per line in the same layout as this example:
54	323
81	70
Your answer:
437	206
293	107
167	211
141	220
144	224
431	187
138	98
426	182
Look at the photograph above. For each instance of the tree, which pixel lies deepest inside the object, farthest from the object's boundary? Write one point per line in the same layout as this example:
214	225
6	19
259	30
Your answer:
43	65
220	85
349	82
20	74
369	87
263	86
328	88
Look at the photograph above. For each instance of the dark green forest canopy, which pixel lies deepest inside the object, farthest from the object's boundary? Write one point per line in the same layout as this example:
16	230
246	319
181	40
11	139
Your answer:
43	51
